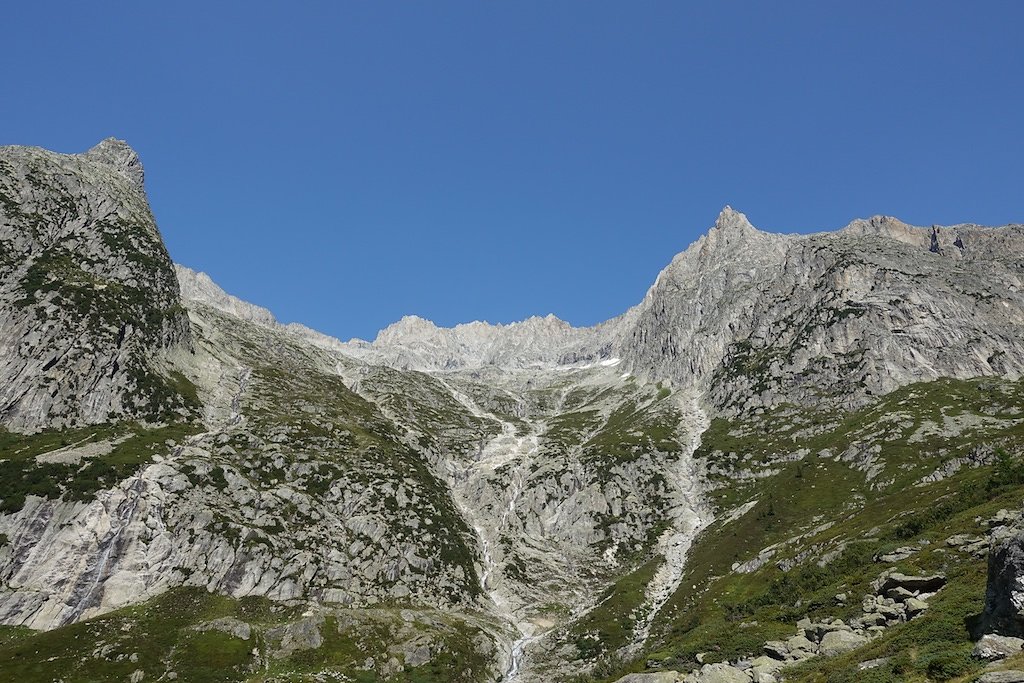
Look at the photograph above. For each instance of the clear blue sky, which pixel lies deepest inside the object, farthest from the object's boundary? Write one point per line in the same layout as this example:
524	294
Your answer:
345	163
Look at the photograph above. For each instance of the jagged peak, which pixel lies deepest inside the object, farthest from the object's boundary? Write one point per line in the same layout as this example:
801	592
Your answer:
414	326
120	155
407	325
197	286
731	219
878	223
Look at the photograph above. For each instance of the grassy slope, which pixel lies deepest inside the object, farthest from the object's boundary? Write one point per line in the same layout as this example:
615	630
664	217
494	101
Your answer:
22	475
159	636
727	614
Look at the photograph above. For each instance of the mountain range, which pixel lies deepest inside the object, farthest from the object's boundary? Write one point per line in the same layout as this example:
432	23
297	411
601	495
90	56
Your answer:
190	490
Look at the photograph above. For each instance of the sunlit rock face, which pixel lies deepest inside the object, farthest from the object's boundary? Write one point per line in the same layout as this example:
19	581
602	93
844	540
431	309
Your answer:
89	304
507	476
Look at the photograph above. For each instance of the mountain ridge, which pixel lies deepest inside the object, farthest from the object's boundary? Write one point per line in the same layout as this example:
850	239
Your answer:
523	502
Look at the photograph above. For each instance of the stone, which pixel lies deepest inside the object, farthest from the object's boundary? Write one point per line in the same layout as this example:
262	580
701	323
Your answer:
228	625
765	664
873	619
897	555
721	673
1009	676
657	677
295	637
899	594
837	642
1004	590
962	540
776	649
1003	518
872	663
915	606
930	583
801	647
992	647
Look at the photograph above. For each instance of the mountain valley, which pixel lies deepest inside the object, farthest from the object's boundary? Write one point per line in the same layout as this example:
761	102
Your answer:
755	452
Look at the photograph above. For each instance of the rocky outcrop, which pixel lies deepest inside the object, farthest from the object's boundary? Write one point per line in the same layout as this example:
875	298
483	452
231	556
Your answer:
762	319
1004	592
89	304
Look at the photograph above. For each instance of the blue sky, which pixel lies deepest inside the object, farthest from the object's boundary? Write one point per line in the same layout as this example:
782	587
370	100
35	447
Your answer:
346	163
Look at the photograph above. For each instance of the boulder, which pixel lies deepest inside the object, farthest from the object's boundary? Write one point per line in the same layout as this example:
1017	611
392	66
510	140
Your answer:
228	625
658	677
1002	677
1004	592
915	606
801	647
817	631
897	555
295	637
899	594
961	540
720	673
765	664
872	663
926	584
872	619
1003	518
836	642
776	649
993	647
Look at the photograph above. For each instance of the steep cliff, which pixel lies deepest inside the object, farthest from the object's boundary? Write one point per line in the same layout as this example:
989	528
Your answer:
89	304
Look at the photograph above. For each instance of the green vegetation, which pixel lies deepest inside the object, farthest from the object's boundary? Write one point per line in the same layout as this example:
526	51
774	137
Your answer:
161	636
131	446
857	488
611	625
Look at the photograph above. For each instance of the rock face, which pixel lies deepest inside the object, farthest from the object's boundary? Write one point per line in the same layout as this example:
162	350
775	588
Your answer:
89	303
761	319
1004	592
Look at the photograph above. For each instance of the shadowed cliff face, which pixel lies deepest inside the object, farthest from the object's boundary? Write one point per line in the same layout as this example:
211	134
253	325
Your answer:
88	298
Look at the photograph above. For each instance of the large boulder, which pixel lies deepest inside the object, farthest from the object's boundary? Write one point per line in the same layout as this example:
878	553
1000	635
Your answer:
1004	593
836	642
924	584
718	673
992	647
1002	677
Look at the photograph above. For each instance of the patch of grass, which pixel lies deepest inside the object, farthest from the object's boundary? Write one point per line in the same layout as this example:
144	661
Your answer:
21	475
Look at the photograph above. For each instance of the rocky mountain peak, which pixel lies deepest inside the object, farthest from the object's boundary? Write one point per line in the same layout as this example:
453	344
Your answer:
408	327
731	219
197	286
120	155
